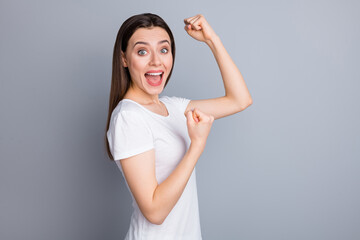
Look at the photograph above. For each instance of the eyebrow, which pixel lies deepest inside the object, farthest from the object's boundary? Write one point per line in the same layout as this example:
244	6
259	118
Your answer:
146	43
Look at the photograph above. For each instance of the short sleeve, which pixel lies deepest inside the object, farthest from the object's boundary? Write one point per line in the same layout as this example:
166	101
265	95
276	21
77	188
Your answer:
129	135
180	103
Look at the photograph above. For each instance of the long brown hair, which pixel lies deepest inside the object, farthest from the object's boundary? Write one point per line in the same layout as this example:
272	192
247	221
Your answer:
120	79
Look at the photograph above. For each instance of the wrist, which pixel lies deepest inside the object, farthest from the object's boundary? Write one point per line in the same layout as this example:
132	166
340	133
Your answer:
213	41
198	145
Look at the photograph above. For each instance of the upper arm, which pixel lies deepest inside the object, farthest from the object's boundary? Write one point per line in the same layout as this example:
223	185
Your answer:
131	142
139	172
217	107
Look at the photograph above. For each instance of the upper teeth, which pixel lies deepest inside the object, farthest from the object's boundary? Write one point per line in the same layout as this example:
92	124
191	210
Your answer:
154	74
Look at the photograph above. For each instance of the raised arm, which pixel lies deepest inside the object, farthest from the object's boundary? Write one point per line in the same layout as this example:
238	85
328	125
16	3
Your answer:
237	96
157	200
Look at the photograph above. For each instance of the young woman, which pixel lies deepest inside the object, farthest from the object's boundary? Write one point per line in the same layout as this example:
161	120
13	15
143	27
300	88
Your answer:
156	141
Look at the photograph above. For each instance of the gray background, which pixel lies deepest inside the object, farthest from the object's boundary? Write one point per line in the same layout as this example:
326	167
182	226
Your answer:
285	168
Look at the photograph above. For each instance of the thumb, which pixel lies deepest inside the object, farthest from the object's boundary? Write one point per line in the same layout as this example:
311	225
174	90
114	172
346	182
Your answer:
189	117
199	115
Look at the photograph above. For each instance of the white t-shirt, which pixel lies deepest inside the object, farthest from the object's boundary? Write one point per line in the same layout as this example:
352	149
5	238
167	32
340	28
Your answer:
135	129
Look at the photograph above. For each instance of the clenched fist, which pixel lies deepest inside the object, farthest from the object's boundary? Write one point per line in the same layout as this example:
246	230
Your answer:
199	125
198	28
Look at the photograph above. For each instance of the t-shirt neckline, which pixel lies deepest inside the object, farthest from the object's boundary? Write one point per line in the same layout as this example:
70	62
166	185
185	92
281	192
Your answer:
151	112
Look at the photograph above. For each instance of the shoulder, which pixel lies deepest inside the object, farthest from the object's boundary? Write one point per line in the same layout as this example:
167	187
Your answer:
172	98
127	105
127	111
129	132
178	102
175	100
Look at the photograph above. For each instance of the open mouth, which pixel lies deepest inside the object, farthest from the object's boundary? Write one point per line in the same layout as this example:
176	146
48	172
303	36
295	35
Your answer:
154	78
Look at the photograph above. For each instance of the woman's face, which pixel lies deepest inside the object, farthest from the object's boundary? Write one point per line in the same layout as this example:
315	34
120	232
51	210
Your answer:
149	59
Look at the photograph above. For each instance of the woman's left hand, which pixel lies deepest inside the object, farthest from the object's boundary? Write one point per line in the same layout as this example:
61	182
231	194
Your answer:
198	28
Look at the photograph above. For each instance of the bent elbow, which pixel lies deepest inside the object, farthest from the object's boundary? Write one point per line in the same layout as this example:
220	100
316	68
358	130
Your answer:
155	219
154	216
242	107
249	103
158	221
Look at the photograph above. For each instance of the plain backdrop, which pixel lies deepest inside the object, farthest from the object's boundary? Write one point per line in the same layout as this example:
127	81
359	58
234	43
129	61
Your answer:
285	168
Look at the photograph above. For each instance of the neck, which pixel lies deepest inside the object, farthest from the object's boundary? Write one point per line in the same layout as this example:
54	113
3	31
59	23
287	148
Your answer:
142	97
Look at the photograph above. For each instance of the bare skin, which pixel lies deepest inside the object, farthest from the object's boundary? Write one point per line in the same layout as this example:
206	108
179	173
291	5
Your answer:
157	200
237	97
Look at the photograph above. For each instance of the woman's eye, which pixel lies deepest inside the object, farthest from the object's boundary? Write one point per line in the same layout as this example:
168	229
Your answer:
142	52
164	50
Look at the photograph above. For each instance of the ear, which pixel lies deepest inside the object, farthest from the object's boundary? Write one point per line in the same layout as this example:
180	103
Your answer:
123	59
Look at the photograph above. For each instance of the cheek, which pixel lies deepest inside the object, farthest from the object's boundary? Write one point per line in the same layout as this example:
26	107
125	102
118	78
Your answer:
169	61
136	66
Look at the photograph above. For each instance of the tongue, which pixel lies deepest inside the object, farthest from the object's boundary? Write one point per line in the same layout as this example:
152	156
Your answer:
153	78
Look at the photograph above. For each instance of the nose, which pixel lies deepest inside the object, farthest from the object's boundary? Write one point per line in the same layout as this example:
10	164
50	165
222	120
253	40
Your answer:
155	59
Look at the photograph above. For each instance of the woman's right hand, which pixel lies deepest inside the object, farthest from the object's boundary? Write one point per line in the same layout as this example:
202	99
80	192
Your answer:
199	126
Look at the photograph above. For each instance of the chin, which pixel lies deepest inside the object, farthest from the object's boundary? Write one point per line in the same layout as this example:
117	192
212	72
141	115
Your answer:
156	92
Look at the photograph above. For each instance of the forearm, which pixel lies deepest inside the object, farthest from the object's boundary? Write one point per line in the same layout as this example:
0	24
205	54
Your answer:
169	191
234	84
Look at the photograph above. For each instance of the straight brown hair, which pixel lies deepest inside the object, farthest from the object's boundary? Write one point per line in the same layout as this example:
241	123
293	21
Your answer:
120	79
